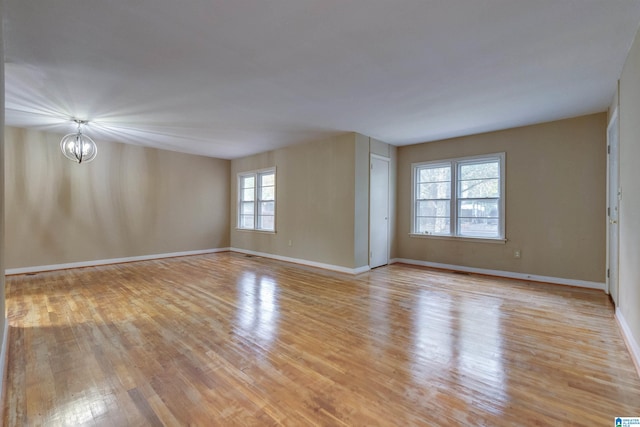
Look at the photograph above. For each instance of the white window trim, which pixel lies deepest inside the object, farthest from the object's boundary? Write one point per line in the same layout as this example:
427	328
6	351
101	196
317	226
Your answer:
453	162
255	173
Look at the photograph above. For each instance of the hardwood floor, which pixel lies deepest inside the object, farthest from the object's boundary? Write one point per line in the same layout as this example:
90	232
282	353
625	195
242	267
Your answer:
225	339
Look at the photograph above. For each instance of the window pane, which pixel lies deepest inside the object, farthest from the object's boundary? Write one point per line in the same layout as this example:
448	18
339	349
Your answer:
433	225
477	188
434	174
267	179
268	193
266	222
476	192
248	182
246	221
440	208
248	194
478	227
267	208
482	208
247	208
439	190
257	201
479	218
480	170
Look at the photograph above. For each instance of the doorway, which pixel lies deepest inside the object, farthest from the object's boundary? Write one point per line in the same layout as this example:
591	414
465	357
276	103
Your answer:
613	205
378	211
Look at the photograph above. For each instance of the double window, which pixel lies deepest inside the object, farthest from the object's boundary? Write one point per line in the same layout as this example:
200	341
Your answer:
459	197
257	200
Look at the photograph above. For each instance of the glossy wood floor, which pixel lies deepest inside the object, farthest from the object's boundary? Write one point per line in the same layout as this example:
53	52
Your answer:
225	339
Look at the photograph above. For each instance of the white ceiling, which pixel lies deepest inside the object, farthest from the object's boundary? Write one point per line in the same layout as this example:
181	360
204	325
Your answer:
232	78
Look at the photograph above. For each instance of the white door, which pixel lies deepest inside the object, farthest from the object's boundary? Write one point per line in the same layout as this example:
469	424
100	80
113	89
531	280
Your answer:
379	212
613	201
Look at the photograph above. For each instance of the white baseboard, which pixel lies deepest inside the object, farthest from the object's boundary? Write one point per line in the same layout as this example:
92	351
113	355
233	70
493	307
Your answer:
331	267
362	269
509	274
631	342
40	268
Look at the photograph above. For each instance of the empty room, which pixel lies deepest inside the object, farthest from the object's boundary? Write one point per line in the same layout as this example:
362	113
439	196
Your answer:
320	213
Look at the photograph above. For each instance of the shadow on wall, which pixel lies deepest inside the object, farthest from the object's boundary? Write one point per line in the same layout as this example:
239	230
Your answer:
129	201
127	198
59	211
31	185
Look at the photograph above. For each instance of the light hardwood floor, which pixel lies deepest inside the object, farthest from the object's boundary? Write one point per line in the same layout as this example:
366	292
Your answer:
226	339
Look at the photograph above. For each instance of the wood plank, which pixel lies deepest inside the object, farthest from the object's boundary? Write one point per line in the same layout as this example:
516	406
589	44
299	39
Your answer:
225	339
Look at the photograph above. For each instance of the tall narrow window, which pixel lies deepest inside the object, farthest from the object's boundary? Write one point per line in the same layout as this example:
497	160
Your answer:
460	197
433	199
479	198
267	201
257	200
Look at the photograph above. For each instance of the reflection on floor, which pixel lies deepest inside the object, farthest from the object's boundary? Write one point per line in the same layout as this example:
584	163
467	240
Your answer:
223	339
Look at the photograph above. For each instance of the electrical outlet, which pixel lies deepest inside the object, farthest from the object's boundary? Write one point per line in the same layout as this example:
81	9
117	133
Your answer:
516	253
290	243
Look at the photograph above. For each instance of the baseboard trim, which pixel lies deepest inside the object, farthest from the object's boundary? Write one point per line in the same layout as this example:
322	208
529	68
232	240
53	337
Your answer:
4	355
41	268
508	274
360	270
331	267
632	344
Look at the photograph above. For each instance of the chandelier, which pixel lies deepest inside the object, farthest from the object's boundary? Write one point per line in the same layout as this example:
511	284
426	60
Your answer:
77	146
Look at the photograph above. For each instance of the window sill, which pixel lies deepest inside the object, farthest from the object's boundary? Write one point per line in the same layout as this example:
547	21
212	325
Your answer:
459	239
251	230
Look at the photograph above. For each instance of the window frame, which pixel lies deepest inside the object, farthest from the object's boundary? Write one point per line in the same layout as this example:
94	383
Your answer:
454	165
257	175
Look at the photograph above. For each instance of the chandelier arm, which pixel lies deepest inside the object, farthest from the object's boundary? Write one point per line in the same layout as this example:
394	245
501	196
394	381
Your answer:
78	146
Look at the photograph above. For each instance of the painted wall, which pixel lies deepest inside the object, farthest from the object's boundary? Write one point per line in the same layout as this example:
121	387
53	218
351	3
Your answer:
361	202
315	193
555	200
322	201
130	201
3	246
629	273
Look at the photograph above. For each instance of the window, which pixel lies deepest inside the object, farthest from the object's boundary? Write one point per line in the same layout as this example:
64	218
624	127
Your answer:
460	197
257	200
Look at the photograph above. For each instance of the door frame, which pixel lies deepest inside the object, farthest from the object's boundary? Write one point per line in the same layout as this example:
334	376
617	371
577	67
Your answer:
613	270
388	160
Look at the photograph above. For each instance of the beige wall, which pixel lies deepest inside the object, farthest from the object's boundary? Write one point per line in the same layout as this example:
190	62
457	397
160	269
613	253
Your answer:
322	201
361	194
629	278
555	200
130	201
3	246
315	193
